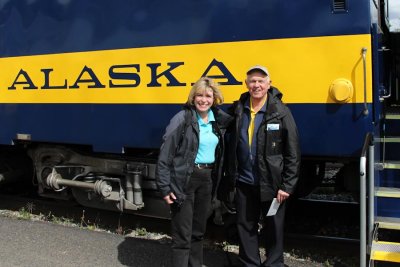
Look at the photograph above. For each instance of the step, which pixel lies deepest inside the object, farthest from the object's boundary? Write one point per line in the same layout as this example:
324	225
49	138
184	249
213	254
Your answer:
390	149
388	223
388	178
385	251
392	116
389	164
392	192
387	206
388	139
391	125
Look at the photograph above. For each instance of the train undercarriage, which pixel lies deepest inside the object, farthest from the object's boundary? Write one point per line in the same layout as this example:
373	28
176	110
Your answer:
108	182
118	182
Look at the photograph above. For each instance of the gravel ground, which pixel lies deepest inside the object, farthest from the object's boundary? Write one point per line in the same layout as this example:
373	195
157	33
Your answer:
293	257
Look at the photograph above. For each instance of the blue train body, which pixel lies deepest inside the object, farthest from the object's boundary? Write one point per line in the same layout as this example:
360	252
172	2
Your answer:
53	50
54	27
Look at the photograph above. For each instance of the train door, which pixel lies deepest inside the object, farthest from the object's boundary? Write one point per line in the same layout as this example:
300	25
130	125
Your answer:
387	144
393	98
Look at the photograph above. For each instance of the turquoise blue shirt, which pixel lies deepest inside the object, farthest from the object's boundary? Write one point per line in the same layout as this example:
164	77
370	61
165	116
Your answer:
208	140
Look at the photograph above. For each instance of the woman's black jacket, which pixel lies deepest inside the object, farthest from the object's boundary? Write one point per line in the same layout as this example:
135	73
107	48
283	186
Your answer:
179	149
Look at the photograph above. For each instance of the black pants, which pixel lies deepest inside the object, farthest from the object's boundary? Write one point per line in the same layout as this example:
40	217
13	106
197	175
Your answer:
249	210
189	221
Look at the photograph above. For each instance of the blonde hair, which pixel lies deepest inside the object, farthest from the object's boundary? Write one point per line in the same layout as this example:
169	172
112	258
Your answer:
202	85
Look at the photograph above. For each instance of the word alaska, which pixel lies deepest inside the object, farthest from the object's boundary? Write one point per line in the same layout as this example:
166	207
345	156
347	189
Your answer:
119	76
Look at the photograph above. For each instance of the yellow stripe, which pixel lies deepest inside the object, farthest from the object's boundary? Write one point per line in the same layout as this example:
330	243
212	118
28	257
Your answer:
386	256
302	68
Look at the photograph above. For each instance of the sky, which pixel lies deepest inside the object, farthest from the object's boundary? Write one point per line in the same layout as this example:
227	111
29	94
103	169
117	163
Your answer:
394	15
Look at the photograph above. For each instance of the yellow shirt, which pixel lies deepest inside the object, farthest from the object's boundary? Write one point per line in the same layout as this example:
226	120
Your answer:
253	114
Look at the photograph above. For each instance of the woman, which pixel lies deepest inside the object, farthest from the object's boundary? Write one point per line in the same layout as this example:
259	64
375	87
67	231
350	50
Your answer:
189	169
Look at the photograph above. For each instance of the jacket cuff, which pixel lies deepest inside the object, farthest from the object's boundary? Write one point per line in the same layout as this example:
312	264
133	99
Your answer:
282	187
165	191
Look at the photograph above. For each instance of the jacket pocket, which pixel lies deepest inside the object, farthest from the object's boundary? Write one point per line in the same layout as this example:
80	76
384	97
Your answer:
273	134
275	165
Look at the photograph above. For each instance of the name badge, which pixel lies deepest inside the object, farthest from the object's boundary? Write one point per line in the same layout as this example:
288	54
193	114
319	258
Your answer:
272	126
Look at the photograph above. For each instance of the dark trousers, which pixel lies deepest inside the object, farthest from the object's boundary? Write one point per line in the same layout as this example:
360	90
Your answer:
249	210
189	221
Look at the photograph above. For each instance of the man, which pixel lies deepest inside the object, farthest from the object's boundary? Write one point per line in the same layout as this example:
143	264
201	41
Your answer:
263	160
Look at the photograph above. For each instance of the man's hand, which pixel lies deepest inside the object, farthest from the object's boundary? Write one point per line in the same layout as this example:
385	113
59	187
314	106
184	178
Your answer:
170	198
282	196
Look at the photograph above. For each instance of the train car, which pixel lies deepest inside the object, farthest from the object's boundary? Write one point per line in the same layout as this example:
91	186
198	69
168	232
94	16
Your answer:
87	87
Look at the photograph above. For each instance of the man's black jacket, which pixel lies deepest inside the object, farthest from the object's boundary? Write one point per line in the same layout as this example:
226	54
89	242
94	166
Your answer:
278	151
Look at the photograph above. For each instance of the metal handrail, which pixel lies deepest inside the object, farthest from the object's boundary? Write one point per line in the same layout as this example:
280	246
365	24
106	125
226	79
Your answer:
390	88
364	53
384	49
367	147
367	142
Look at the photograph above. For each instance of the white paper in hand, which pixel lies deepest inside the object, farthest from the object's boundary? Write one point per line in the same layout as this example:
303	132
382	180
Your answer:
273	208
